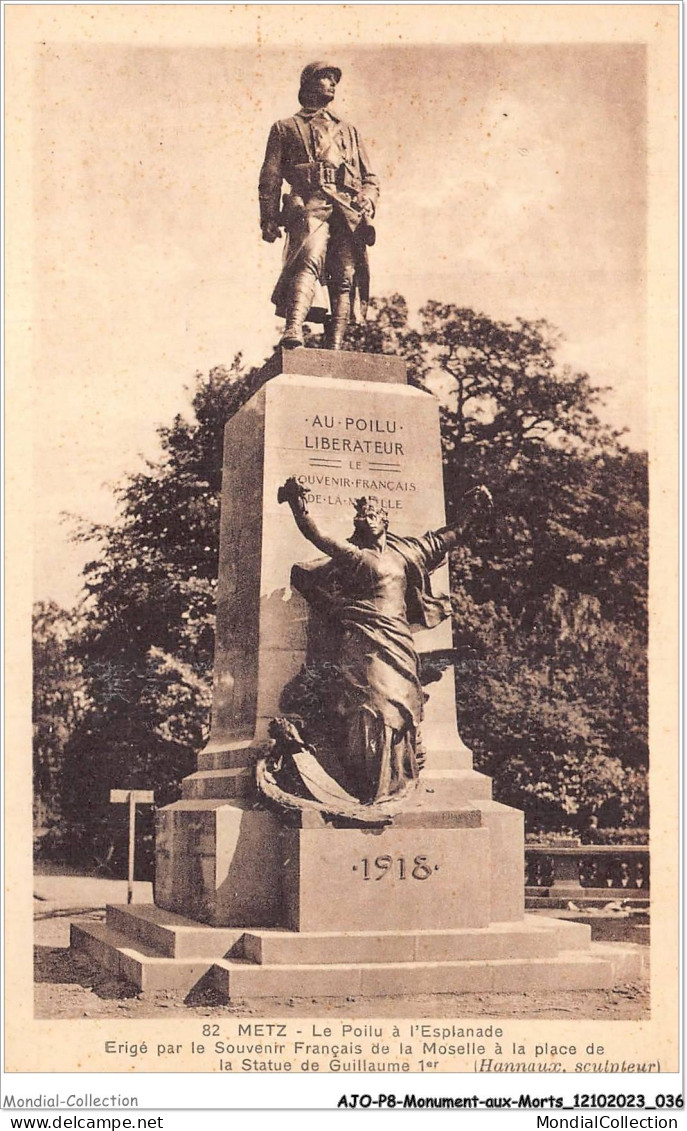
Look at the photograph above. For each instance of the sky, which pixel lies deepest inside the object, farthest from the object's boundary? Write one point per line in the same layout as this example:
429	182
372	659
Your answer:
513	181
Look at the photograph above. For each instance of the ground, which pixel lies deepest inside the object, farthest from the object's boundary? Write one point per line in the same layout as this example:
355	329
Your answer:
67	986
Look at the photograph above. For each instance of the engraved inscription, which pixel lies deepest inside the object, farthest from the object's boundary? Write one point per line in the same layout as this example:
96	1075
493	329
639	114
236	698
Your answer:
353	454
400	867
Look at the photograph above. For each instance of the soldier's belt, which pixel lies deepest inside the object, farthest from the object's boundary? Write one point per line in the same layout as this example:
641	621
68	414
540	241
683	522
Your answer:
324	174
317	174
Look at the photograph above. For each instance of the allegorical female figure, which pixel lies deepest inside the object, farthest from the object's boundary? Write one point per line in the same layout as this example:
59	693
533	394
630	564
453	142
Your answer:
376	585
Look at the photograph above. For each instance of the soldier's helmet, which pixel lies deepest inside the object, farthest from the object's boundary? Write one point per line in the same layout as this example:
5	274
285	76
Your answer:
312	71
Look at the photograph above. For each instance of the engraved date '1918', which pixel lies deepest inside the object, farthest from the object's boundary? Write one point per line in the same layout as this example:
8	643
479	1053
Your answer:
403	869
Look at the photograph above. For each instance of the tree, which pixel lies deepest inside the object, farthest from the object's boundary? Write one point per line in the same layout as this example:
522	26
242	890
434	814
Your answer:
59	701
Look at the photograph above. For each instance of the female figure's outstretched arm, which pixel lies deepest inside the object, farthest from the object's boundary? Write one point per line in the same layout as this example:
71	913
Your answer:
295	495
479	503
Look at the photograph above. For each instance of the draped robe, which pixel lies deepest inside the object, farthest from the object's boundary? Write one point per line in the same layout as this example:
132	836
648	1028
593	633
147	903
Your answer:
375	597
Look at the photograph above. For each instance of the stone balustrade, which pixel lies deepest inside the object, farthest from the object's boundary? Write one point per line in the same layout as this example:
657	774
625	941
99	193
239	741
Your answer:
588	870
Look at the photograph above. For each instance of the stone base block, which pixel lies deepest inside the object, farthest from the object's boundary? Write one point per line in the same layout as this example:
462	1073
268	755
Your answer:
384	879
227	864
219	863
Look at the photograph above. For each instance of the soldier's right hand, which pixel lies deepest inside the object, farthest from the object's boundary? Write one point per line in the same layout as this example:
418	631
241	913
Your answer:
271	232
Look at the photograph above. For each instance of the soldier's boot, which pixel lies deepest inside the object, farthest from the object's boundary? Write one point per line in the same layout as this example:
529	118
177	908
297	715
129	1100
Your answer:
340	317
301	294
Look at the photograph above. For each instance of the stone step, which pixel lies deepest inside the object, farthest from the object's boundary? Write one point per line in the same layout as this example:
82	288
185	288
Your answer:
135	962
272	947
597	966
630	959
570	970
572	935
170	934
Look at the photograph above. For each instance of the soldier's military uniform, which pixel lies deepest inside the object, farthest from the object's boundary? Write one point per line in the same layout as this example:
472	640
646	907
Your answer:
326	215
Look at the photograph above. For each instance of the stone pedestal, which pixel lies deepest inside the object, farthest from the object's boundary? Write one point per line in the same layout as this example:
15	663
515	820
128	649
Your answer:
432	903
345	424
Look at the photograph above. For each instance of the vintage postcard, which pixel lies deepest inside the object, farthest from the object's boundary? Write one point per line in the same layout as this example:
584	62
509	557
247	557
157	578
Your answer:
342	394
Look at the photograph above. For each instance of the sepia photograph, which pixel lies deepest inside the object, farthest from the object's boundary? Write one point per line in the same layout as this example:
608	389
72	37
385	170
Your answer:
343	422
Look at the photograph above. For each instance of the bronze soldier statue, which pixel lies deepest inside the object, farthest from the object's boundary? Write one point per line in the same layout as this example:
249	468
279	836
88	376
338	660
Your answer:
327	214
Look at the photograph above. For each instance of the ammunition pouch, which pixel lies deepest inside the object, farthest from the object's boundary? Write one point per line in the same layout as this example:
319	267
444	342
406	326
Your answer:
367	233
324	175
292	206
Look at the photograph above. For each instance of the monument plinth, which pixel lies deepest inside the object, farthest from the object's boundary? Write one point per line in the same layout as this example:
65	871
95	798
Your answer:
341	437
270	903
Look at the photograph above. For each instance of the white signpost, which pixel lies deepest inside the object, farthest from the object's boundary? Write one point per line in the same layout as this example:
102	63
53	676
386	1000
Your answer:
134	797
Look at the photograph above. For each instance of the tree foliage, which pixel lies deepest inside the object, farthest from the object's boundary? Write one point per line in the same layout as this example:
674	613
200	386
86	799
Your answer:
549	603
59	702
